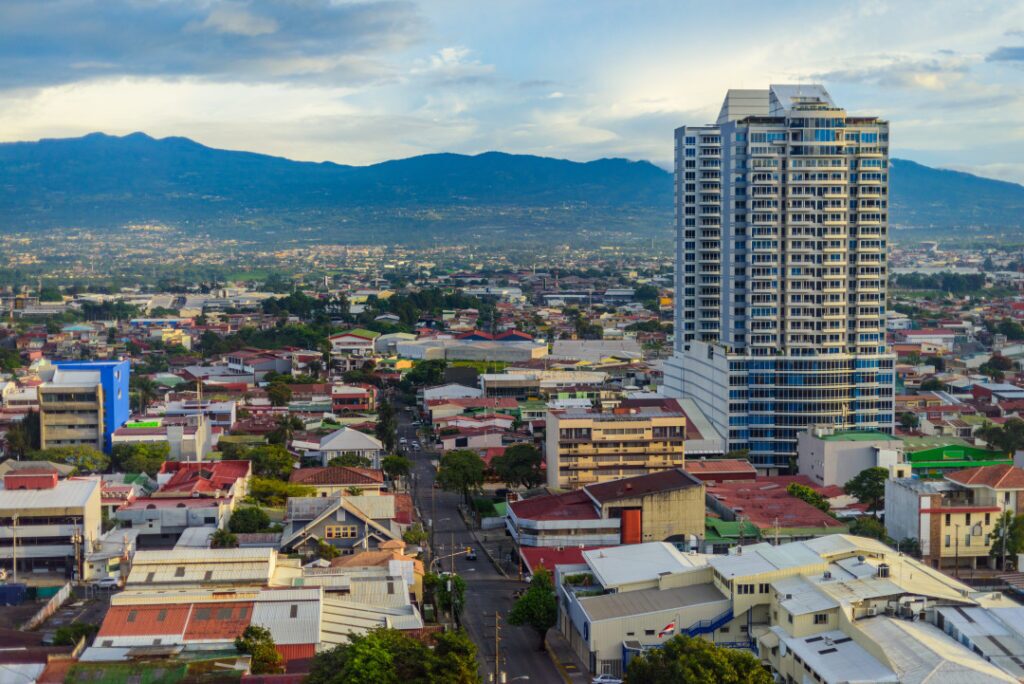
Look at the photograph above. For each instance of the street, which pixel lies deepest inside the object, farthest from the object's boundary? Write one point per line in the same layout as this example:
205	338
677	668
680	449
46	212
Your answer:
487	590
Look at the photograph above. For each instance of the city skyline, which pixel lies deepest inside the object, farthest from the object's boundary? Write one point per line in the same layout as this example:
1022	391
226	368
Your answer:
360	83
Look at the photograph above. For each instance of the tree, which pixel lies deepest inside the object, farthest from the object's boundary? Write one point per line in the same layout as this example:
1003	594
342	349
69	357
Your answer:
388	656
448	590
386	425
271	460
932	385
274	493
461	471
23	436
85	459
870	526
685	659
257	642
222	539
140	457
50	293
1007	438
249	519
1007	536
415	535
519	466
286	427
326	550
142	390
869	487
395	466
805	493
426	373
909	420
70	635
279	394
537	607
350	460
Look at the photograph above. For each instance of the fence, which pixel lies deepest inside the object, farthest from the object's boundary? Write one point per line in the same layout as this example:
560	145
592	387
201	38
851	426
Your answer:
492	523
55	602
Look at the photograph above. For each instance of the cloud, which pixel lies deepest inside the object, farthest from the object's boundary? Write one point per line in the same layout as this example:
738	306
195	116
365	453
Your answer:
1007	54
452	65
48	42
903	72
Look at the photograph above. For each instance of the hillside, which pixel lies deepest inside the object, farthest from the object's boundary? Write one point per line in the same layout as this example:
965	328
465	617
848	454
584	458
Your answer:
103	181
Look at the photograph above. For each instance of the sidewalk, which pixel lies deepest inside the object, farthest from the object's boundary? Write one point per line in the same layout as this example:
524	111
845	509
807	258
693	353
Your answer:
569	666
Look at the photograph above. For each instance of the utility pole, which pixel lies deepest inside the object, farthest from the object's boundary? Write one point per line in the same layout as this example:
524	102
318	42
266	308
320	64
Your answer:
1004	530
497	647
14	546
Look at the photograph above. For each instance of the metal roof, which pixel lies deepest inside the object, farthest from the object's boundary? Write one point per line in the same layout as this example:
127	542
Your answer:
67	494
618	565
836	657
291	615
628	603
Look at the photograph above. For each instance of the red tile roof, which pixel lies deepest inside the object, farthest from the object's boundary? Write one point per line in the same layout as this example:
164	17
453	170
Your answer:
403	509
218	620
336	475
194	478
548	557
765	500
144	620
996	477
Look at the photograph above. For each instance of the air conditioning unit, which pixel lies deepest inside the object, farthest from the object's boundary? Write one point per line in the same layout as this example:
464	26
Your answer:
872	611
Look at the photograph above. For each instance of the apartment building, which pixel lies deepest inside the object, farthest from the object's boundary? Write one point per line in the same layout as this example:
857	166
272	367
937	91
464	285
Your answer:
781	239
584	447
83	403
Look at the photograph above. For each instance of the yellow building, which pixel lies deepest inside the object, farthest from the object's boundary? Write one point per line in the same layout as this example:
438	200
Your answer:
71	410
584	447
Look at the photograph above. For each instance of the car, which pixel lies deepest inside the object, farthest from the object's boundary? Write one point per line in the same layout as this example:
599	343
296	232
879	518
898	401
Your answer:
471	554
606	679
403	440
107	583
415	445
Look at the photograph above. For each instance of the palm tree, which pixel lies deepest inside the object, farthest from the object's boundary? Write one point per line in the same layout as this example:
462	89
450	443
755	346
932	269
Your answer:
145	391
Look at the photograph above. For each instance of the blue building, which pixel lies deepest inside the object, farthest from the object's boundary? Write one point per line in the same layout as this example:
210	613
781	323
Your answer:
113	381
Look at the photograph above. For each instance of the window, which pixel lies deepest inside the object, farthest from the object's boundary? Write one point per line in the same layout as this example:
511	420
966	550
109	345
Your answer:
947	518
821	618
988	518
340	531
162	615
208	576
204	613
243	612
132	614
649	632
223	613
179	571
967	518
947	541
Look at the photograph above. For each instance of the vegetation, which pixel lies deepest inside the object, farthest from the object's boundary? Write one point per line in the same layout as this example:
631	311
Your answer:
257	642
1008	537
953	283
683	659
270	461
274	493
519	466
140	457
69	635
85	459
870	526
415	535
385	429
932	385
248	519
388	656
461	470
537	607
805	493
223	539
395	466
909	420
23	436
448	590
869	487
350	460
279	393
1007	438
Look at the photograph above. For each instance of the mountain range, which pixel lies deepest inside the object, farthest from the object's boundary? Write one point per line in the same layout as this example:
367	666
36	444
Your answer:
103	181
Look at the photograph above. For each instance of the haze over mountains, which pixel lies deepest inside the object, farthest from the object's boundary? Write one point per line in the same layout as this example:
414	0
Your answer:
102	181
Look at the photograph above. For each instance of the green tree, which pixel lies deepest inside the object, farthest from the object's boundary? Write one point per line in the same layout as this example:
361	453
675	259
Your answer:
326	550
448	590
1007	536
869	487
519	466
805	493
272	461
286	427
1007	438
85	459
50	293
223	539
870	526
909	420
257	642
23	436
685	659
274	493
69	635
279	394
537	607
385	427
142	391
140	457
415	534
248	519
350	460
454	658
395	466
461	470
932	385
426	374
10	360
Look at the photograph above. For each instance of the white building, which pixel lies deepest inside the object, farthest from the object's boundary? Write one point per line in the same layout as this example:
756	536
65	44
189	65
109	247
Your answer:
342	441
782	232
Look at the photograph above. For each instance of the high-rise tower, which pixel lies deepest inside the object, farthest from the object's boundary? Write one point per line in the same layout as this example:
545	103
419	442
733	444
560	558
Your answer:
781	233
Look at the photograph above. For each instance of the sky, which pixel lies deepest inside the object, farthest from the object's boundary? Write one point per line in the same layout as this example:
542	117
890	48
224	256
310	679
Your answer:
361	82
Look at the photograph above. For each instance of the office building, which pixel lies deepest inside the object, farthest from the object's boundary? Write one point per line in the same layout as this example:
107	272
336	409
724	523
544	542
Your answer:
782	229
585	447
83	403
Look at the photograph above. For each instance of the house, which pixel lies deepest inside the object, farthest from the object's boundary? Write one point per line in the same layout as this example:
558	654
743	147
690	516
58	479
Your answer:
345	440
448	391
662	506
766	503
220	479
389	559
160	521
349	523
471	438
224	568
356	398
332	480
221	414
351	349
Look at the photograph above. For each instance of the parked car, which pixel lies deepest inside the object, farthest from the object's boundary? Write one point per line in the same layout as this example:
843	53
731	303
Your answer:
107	583
606	679
471	554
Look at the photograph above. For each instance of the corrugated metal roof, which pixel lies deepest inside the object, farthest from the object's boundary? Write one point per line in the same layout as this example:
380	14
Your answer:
290	622
629	603
67	494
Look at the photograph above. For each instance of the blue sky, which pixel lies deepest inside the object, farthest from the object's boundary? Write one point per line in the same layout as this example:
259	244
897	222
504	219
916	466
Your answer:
360	82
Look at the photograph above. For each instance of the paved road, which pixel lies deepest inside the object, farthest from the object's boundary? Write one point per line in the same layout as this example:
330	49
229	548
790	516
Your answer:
487	590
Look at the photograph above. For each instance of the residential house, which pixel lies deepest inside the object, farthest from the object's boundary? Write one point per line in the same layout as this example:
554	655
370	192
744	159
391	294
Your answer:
333	480
345	440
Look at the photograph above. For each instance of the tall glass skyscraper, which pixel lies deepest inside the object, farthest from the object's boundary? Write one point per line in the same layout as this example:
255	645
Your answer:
782	213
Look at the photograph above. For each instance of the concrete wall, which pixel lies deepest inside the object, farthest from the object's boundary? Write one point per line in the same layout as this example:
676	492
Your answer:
665	514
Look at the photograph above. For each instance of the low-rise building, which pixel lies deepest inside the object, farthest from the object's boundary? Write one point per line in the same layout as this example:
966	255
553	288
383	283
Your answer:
830	457
335	480
342	441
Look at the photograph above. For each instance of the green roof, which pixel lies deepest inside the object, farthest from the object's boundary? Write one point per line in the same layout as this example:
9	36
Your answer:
501	508
931	441
143	424
361	332
857	436
718	529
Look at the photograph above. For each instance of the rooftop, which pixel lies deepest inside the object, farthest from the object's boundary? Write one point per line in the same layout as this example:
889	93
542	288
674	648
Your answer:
994	477
73	493
624	604
858	436
661	481
336	475
618	565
